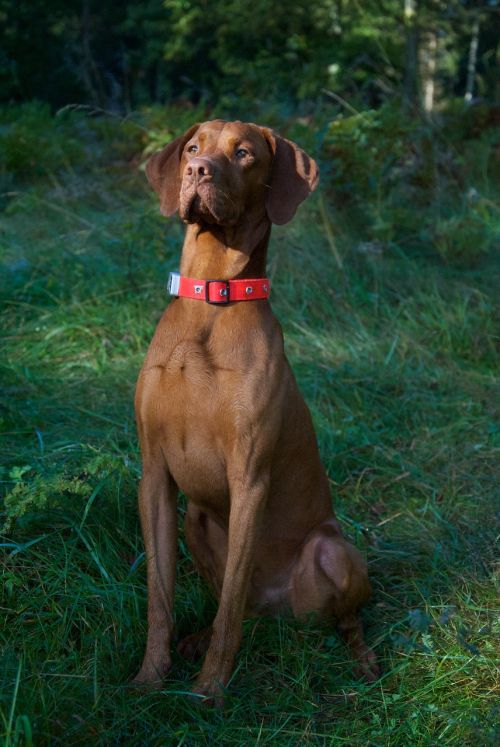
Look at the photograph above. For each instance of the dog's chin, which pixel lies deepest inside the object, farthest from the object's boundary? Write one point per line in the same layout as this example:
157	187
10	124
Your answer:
195	209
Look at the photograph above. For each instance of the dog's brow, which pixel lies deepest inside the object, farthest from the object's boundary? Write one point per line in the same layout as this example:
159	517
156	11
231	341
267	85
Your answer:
208	137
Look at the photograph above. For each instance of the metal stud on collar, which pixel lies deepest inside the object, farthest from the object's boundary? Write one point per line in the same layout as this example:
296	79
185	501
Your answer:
248	290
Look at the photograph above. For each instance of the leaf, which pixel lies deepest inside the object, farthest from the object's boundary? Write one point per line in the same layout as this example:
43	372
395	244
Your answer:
419	621
16	473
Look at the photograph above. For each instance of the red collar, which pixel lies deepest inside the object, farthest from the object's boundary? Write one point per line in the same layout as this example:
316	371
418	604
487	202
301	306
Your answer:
218	292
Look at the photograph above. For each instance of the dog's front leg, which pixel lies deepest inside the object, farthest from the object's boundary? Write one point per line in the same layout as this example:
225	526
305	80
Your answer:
248	498
157	508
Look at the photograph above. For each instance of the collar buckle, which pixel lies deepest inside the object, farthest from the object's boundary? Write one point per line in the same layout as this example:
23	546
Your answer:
224	293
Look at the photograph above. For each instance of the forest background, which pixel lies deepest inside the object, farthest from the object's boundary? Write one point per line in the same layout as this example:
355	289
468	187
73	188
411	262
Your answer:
385	284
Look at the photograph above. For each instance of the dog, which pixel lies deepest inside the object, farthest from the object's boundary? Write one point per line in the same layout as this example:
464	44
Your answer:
220	416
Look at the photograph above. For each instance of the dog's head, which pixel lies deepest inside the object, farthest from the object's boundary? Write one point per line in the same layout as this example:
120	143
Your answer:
217	171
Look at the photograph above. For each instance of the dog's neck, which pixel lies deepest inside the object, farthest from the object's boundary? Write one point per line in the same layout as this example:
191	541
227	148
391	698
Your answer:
217	252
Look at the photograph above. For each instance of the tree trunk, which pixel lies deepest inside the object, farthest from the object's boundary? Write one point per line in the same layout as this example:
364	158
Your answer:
472	61
88	69
428	58
410	85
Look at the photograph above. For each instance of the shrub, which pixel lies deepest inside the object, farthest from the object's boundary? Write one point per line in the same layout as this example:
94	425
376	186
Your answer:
412	182
34	143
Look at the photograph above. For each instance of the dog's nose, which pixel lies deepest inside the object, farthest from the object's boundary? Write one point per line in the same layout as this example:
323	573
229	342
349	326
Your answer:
198	167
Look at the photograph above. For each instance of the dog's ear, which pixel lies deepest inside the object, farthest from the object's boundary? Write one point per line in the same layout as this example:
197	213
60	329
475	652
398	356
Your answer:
163	173
293	177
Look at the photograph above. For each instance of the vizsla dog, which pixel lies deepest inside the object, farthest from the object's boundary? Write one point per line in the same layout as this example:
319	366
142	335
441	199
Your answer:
220	416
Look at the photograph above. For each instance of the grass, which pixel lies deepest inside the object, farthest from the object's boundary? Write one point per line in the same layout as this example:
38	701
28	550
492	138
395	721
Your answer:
394	352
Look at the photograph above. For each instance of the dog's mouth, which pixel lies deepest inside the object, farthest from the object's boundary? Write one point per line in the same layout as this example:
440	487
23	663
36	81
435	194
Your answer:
193	208
203	203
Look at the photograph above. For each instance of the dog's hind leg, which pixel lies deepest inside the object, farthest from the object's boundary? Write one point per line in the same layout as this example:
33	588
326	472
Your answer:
330	580
195	645
207	542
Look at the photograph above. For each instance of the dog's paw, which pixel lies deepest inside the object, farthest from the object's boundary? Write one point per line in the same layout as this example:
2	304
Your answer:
152	674
209	694
367	667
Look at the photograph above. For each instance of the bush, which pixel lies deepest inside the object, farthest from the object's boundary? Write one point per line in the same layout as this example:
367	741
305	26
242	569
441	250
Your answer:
413	182
34	143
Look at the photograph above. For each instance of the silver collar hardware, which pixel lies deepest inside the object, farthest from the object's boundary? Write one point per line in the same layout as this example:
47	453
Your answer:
173	283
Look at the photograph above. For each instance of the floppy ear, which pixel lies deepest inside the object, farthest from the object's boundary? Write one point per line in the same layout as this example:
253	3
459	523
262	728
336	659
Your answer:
162	171
293	177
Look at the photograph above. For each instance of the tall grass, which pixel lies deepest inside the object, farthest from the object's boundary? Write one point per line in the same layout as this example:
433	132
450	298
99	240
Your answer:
394	351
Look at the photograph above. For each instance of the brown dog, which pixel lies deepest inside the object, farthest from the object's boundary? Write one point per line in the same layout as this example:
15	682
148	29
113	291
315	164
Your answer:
220	415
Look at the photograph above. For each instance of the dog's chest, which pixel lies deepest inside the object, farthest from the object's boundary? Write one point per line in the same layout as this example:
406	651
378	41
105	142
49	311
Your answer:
201	404
200	377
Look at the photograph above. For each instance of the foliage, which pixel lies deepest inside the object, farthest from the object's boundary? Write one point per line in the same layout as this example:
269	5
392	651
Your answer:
32	144
394	351
230	34
35	144
37	490
121	56
416	183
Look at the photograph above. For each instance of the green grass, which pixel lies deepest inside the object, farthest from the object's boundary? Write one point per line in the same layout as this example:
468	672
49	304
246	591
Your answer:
394	352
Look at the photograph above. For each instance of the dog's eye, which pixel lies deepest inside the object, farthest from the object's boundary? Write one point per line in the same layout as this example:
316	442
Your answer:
192	149
241	153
